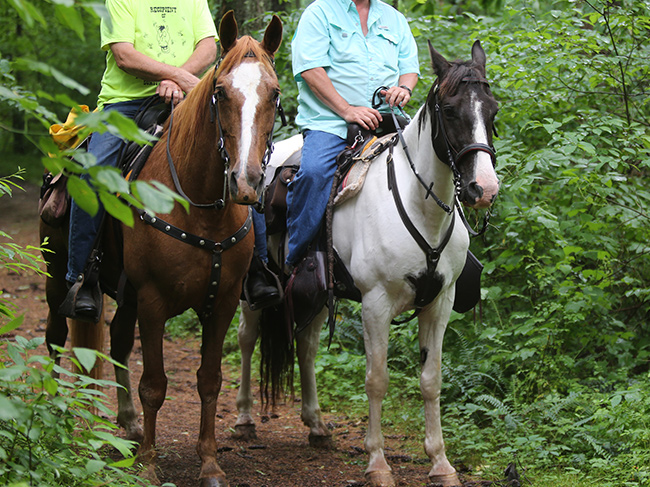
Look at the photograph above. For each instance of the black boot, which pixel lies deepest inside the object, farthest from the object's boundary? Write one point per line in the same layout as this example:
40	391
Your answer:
261	286
83	302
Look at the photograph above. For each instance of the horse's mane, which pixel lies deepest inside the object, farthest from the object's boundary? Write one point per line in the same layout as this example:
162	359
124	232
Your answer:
245	46
457	73
191	116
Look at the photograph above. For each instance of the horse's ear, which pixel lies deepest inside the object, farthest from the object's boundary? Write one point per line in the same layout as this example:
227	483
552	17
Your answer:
440	64
478	56
272	35
228	31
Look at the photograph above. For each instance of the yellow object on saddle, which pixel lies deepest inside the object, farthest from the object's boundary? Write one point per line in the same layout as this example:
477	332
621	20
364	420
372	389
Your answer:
66	135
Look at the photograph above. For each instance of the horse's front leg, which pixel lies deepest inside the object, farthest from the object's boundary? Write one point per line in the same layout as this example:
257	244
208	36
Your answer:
432	324
376	320
153	383
307	347
209	384
247	335
122	336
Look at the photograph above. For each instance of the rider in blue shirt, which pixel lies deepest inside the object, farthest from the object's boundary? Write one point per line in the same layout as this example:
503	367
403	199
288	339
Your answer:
342	51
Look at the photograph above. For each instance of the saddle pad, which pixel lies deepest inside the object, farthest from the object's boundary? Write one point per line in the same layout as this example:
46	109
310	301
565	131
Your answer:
356	176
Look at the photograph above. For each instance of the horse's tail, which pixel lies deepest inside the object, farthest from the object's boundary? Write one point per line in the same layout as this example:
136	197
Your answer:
277	354
89	335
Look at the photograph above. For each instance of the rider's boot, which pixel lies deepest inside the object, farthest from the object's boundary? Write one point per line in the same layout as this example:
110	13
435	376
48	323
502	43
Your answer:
261	286
84	299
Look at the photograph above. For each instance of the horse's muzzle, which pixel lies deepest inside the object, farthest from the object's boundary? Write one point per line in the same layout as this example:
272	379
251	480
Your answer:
477	195
246	186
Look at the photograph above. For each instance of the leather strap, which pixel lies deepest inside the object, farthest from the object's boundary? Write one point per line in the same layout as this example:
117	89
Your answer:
203	243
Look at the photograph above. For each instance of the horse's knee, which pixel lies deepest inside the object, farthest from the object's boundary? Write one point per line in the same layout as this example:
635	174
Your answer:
208	384
377	381
152	392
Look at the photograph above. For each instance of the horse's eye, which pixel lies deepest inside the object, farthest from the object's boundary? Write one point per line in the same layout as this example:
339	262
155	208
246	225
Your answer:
449	111
276	95
220	93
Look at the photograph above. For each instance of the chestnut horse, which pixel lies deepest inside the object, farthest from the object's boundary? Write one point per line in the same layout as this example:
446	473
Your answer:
218	140
400	237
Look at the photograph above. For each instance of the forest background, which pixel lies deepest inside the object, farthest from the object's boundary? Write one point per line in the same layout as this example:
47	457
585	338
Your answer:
552	368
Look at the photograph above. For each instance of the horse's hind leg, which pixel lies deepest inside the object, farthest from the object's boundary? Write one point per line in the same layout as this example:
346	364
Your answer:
247	335
432	325
122	337
209	385
307	347
56	331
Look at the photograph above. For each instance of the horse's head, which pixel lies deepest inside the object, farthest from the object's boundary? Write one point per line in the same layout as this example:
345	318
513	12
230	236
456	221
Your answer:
464	109
245	97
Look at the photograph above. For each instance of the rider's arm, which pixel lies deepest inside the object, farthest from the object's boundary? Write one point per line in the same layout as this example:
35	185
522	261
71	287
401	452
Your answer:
142	66
202	58
321	85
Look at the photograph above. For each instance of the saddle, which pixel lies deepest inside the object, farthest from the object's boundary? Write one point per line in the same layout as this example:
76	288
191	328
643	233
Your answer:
308	287
54	199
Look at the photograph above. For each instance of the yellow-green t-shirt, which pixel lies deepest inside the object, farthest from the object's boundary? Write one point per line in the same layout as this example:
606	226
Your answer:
164	30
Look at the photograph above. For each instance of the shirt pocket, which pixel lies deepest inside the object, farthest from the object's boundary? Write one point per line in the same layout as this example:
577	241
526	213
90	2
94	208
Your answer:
387	48
344	45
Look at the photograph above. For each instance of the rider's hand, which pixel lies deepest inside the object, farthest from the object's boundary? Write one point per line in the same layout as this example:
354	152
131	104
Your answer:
396	96
368	118
169	90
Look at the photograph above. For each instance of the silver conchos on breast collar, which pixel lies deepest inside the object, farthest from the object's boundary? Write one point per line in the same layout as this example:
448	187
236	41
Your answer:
203	243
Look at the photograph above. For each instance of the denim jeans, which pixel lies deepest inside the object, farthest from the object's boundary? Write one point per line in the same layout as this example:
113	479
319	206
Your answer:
83	227
310	190
259	227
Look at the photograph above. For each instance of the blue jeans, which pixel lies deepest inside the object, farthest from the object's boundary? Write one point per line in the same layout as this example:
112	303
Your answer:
83	227
310	190
259	227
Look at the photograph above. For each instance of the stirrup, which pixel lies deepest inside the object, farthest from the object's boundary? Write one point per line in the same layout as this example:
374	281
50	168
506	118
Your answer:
260	271
93	296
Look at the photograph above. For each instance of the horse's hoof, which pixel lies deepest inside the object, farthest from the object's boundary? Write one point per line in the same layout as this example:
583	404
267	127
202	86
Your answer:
244	432
214	482
149	475
380	479
445	480
322	442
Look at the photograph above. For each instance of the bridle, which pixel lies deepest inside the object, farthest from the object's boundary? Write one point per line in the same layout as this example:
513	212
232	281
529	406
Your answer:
213	106
448	154
443	147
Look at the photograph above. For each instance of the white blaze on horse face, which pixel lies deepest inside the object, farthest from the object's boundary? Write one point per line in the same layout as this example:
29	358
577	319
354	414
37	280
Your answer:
246	78
486	178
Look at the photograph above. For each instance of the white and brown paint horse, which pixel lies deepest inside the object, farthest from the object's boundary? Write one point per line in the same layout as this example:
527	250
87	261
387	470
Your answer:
451	154
218	139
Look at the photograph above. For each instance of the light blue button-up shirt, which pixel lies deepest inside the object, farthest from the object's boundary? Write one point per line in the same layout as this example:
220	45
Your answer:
329	35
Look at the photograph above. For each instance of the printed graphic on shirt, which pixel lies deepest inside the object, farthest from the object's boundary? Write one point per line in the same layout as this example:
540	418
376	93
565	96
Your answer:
163	37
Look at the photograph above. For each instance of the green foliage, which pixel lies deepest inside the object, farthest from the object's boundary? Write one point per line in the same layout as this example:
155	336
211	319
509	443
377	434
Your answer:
48	434
13	256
